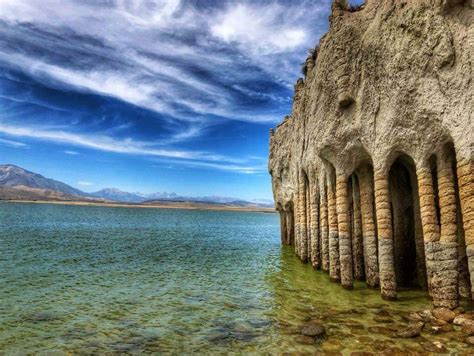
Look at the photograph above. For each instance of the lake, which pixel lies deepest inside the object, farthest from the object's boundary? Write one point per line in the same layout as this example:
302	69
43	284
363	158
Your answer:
104	279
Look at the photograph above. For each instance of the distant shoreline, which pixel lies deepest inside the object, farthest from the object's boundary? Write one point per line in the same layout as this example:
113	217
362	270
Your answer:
163	205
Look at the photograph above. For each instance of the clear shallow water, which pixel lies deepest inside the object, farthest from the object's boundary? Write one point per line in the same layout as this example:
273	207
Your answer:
96	279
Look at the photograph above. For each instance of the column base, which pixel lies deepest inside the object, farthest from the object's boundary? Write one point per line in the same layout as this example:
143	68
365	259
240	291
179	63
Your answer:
389	296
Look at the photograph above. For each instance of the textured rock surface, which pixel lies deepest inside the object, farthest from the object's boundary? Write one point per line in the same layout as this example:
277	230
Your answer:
389	86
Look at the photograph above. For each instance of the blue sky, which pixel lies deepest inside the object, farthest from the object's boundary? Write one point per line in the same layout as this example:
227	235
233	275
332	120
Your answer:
145	96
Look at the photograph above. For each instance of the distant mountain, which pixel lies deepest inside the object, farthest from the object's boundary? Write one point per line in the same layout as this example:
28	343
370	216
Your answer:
161	195
13	176
18	183
119	195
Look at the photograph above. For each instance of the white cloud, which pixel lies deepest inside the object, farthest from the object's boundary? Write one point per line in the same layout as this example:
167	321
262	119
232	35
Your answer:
85	183
259	29
72	153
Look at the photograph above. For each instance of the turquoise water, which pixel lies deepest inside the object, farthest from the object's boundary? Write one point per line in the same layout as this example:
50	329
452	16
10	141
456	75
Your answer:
97	279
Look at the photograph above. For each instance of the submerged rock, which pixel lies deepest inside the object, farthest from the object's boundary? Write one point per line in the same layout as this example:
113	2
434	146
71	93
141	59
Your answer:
312	330
412	330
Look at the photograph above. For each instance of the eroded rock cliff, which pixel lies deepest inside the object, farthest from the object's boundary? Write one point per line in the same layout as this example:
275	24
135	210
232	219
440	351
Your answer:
373	170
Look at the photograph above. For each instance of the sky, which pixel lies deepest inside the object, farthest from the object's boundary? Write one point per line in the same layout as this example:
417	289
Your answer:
148	96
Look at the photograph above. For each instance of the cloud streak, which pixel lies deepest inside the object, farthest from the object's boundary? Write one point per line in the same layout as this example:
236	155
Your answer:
131	147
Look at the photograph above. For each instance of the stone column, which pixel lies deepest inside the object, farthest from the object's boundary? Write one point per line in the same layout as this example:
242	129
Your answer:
429	222
296	204
357	242
315	237
345	243
283	227
448	257
309	236
466	195
324	228
303	230
368	228
334	267
388	283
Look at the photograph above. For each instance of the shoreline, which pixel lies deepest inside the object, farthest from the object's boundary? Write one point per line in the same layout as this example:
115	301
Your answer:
186	206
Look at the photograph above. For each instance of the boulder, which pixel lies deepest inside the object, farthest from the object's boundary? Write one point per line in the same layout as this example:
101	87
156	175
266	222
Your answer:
463	319
444	314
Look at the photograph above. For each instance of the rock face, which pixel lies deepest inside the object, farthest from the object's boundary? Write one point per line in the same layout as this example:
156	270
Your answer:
372	172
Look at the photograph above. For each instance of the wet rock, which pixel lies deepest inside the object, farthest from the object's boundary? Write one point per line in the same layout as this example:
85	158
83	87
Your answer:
304	340
426	315
458	310
469	340
414	317
435	346
312	330
463	319
412	330
444	314
468	328
437	322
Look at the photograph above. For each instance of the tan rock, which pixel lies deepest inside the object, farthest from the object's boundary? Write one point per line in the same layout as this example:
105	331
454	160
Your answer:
444	314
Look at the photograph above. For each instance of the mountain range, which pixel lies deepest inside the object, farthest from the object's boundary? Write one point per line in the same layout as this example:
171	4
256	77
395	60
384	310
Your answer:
17	183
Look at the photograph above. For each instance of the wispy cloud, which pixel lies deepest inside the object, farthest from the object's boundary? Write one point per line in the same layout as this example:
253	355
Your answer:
72	153
12	143
133	147
85	183
131	51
